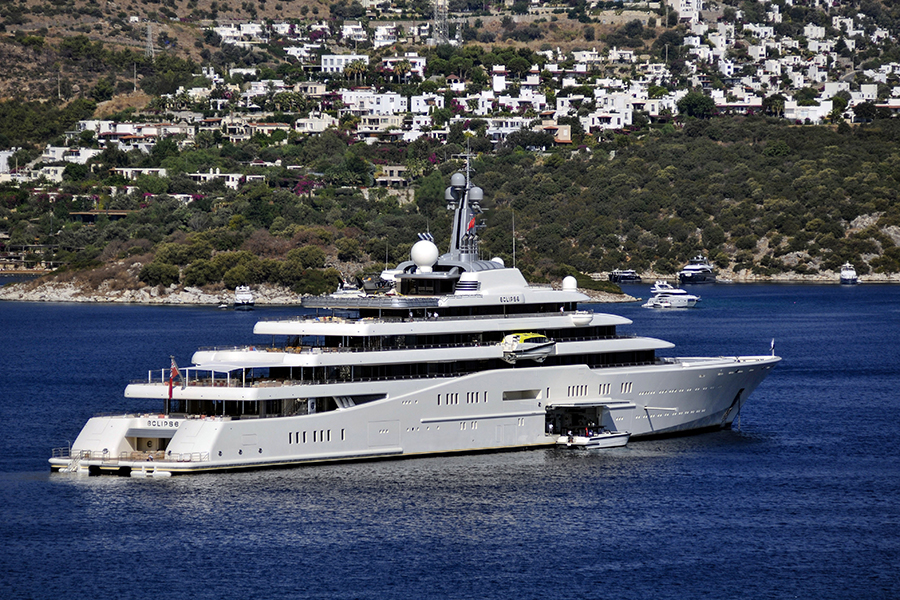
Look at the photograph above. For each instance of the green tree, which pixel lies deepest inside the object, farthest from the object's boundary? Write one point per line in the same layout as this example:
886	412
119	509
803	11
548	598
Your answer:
159	274
864	111
307	257
696	104
201	272
348	249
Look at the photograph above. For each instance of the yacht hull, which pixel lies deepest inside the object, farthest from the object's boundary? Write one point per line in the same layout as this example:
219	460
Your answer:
488	411
685	278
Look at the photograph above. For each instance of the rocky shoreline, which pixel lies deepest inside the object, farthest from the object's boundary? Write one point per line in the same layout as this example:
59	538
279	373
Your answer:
73	291
51	291
172	295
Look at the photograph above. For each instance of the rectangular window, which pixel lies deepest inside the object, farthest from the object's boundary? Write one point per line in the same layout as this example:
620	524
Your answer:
304	437
521	395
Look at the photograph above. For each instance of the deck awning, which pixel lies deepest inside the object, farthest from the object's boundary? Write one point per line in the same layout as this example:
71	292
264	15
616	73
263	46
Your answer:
227	368
150	432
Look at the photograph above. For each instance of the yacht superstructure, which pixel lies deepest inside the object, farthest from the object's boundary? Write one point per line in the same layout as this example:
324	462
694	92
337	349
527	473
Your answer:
463	356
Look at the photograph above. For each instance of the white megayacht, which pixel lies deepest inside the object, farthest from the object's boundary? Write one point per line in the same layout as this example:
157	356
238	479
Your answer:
420	370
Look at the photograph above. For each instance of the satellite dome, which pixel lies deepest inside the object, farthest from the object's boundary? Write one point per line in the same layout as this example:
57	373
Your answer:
424	253
499	261
458	180
570	284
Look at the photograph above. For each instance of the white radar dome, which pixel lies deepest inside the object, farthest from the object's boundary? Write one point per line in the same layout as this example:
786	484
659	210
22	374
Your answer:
424	254
499	261
570	284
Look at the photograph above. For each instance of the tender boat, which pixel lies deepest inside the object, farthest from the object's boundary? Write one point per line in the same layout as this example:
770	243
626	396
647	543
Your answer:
657	302
348	290
603	439
243	298
624	276
532	346
698	270
424	371
848	274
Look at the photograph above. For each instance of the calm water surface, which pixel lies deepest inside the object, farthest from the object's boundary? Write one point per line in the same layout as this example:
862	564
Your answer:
802	502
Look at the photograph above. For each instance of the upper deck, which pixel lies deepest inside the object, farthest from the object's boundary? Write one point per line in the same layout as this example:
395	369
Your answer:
425	323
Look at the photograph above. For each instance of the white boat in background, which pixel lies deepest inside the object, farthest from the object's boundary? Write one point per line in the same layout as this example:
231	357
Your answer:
665	295
421	372
603	439
669	300
698	270
624	276
848	274
243	298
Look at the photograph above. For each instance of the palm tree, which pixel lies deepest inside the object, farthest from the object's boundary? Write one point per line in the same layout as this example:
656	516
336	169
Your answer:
355	68
402	68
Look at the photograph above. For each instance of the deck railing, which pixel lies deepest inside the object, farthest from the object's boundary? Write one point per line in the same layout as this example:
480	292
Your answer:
130	456
275	383
332	349
415	318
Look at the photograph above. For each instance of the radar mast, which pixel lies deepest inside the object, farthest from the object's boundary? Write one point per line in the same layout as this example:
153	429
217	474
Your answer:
465	200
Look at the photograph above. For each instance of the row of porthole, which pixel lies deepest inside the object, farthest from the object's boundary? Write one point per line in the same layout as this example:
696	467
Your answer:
242	451
672	414
650	393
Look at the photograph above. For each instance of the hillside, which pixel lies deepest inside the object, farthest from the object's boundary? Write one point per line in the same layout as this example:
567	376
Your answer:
35	64
39	61
764	199
591	161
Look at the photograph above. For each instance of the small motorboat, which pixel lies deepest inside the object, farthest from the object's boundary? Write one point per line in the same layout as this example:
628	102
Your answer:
657	302
602	439
531	346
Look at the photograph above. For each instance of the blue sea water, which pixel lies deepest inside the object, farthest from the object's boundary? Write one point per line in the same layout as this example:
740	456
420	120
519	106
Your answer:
803	501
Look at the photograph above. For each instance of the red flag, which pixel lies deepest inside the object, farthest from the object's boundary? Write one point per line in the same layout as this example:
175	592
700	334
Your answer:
172	375
471	224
